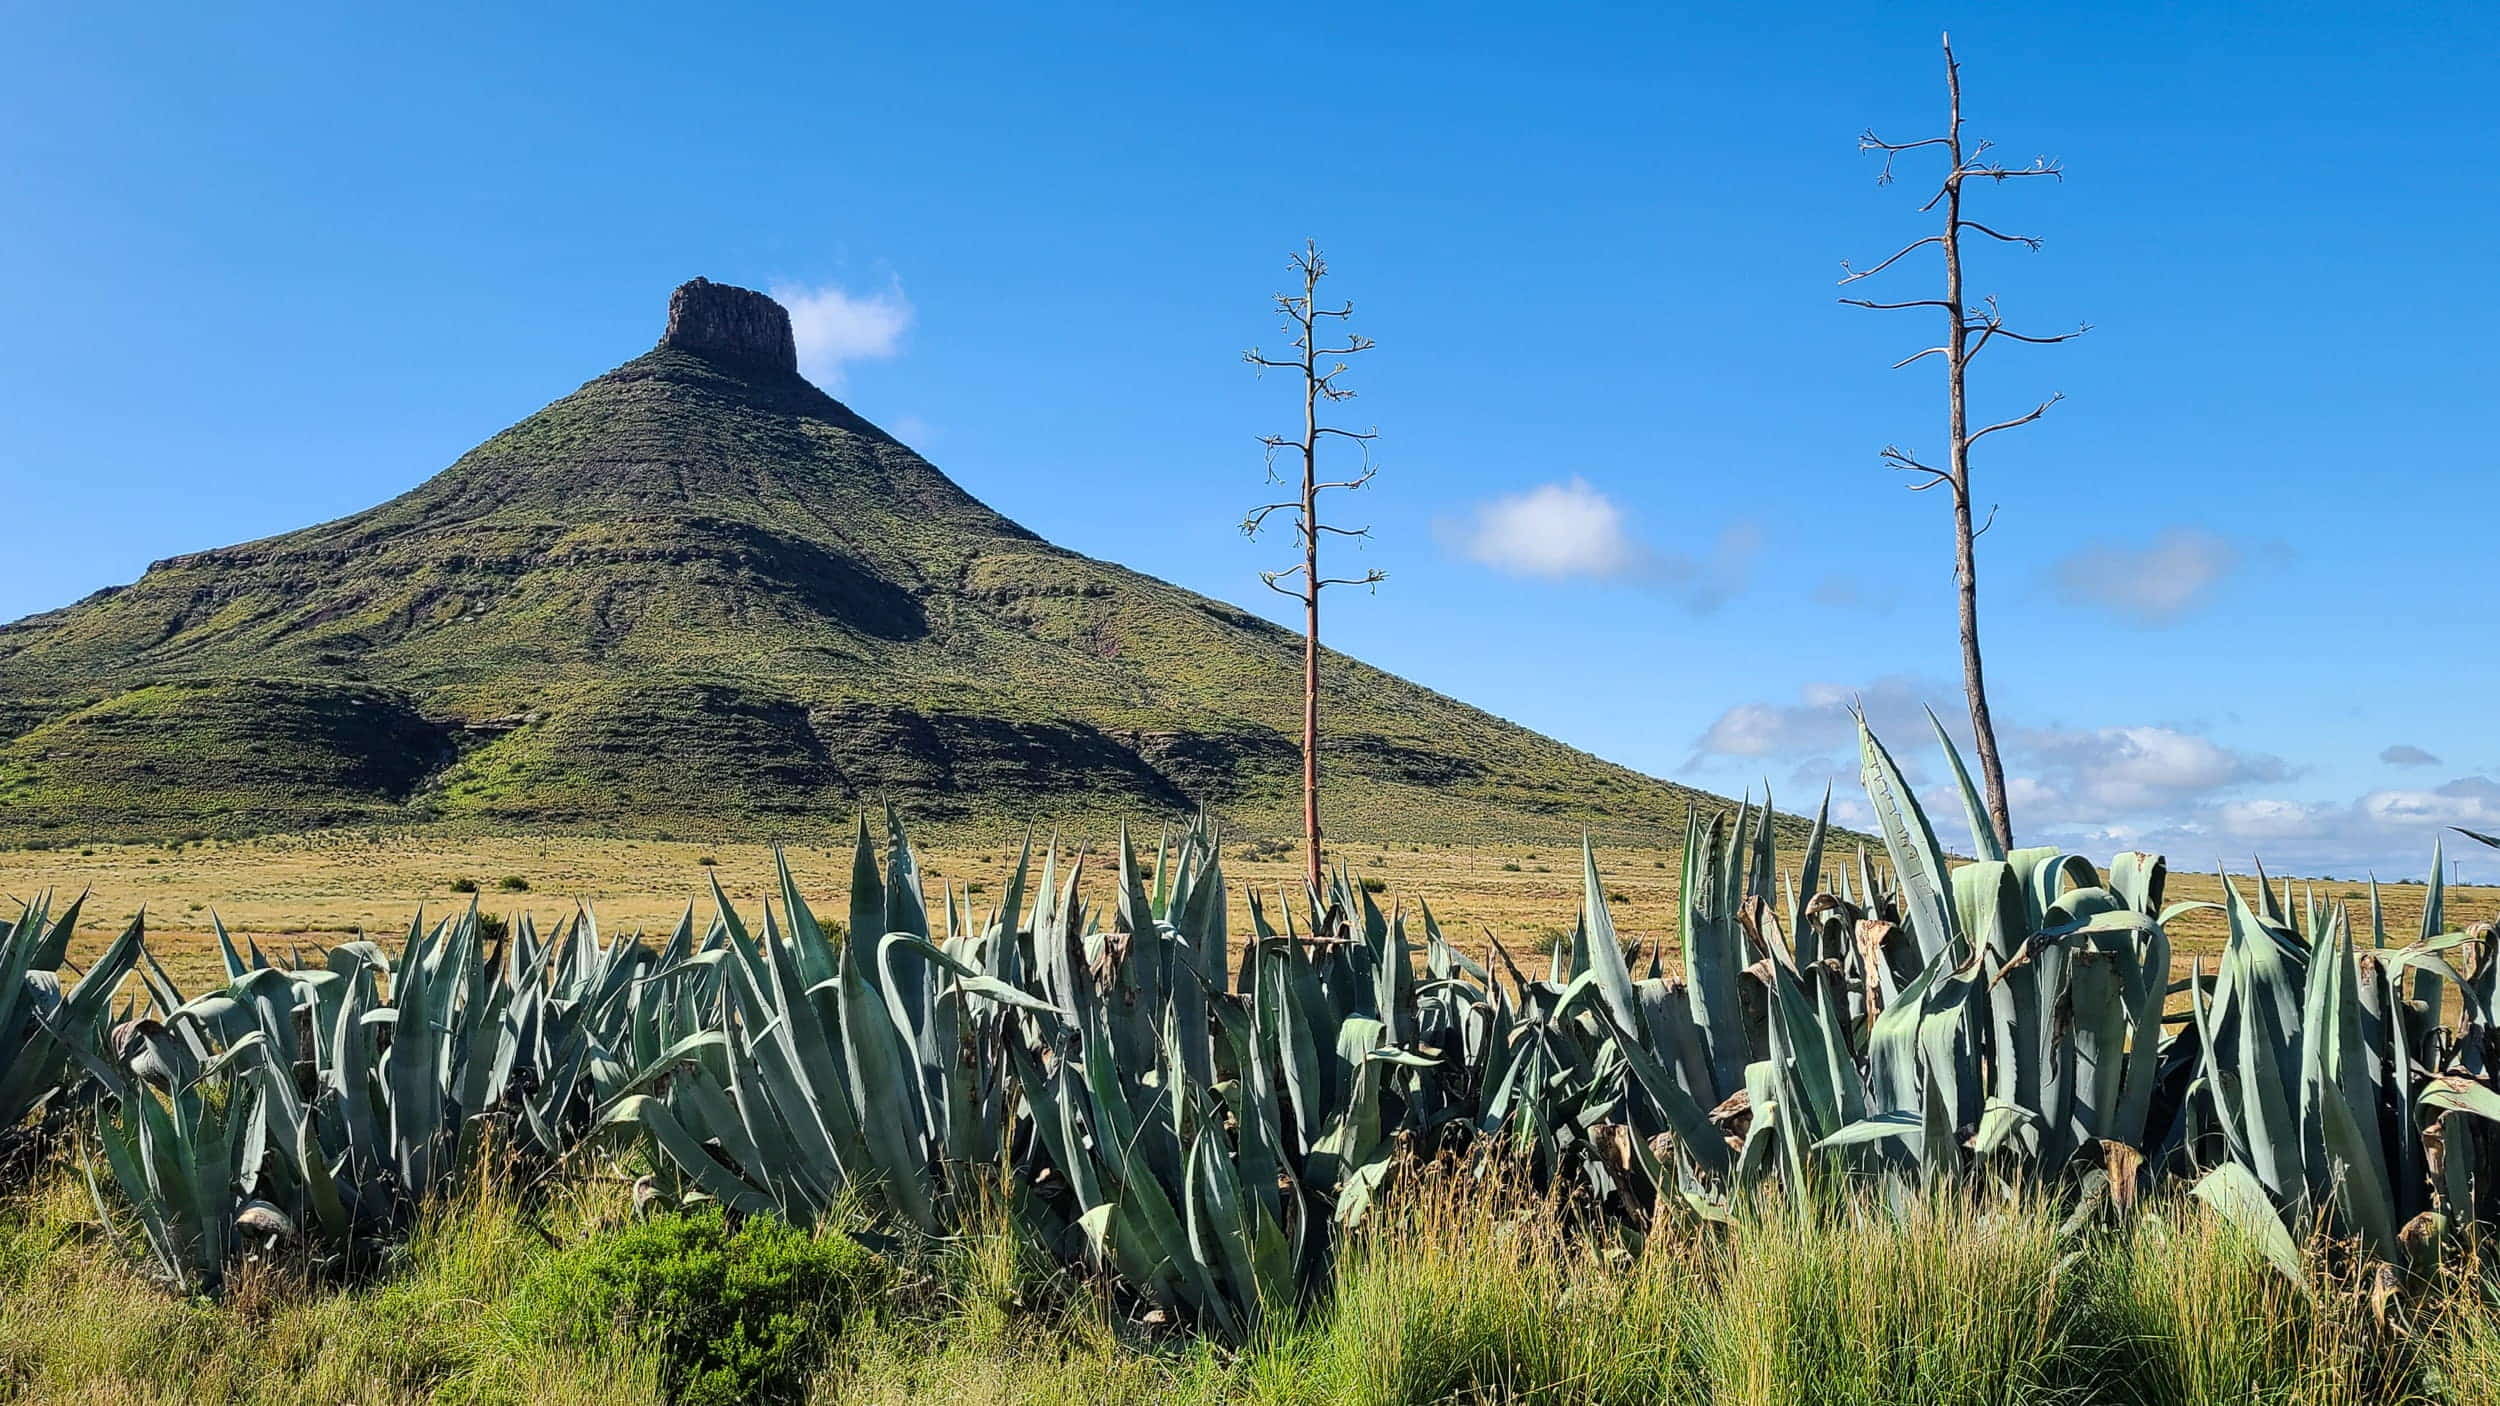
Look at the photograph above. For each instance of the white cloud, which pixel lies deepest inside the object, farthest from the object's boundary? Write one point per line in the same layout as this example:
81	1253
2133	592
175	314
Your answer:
1559	531
834	326
2405	754
2105	773
2471	801
2170	789
1553	530
2271	818
1755	730
2096	790
2028	796
1819	722
2054	775
2389	832
2149	586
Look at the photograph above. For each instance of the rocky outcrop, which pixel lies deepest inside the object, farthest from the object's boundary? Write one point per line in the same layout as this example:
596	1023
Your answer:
737	325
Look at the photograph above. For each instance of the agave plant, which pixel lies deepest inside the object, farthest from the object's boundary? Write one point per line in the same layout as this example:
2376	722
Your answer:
1203	1113
1204	1117
43	1029
183	1160
332	1102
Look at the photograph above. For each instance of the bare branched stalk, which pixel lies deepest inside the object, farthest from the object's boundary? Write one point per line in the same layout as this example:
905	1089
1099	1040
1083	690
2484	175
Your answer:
1303	581
1967	332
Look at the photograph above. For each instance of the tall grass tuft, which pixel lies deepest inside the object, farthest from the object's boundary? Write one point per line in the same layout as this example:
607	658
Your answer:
2185	1309
2462	1360
1940	1300
1468	1294
987	1316
1459	1291
79	1323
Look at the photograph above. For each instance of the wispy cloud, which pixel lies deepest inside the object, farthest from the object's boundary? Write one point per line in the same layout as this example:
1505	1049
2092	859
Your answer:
2166	787
834	326
2063	774
2405	754
1841	591
2096	774
1706	582
2390	831
1819	723
1572	530
2149	586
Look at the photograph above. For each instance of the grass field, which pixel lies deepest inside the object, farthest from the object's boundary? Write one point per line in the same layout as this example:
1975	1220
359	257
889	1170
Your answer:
1462	1293
315	889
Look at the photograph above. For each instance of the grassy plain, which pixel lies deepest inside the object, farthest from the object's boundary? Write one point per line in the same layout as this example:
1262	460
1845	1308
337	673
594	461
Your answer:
317	889
1459	1293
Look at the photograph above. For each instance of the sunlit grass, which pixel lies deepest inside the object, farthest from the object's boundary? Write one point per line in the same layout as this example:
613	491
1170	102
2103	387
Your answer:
1460	1290
310	891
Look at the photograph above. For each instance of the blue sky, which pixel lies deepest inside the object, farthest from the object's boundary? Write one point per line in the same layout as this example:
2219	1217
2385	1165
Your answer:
269	266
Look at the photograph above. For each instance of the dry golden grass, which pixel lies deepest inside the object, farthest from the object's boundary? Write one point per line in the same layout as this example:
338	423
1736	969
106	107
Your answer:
315	890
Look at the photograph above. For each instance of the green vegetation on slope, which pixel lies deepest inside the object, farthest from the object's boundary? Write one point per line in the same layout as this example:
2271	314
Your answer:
698	591
204	752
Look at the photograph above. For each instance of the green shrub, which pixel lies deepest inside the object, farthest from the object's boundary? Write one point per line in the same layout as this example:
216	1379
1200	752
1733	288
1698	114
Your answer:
736	1315
464	886
1375	886
513	883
